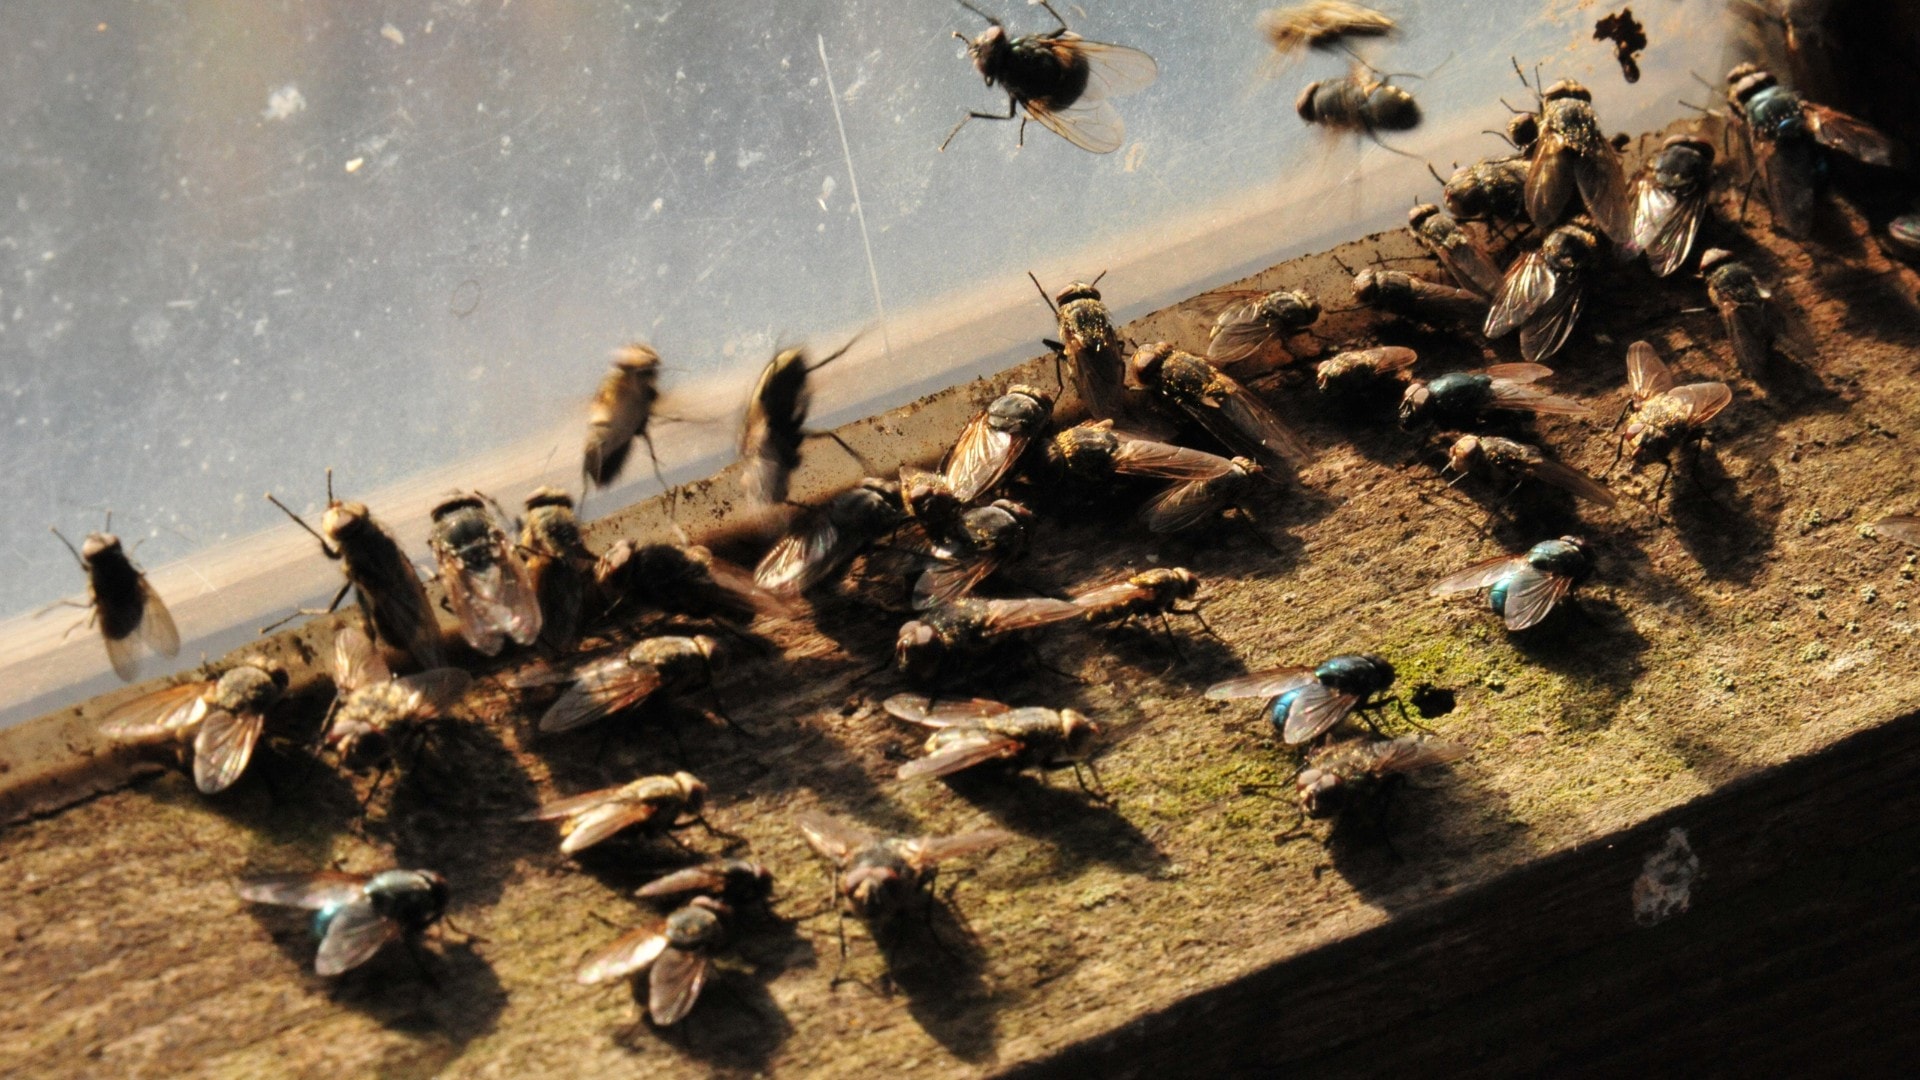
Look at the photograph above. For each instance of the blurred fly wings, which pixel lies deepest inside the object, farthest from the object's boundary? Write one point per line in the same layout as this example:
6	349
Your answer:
354	934
926	852
941	712
674	985
1262	684
164	712
1481	575
629	953
834	839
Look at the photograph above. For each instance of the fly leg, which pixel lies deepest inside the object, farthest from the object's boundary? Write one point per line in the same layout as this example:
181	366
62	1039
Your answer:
975	114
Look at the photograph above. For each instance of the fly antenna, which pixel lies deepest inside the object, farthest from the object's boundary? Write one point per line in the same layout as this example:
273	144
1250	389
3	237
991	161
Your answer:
984	15
1043	294
298	520
63	539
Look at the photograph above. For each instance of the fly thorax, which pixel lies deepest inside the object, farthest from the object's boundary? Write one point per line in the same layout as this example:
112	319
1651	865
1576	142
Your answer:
692	927
375	708
879	879
1562	558
1086	323
1017	412
1775	113
412	898
1359	675
1461	391
1187	378
246	689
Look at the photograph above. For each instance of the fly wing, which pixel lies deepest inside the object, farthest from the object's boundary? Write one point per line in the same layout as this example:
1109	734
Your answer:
163	712
1106	596
124	654
356	663
980	457
1481	575
739	586
1313	710
493	603
1855	138
1902	527
709	878
1470	265
674	985
1143	457
432	692
1790	172
1182	506
1532	594
597	823
1750	332
356	932
1404	755
1092	124
1665	225
601	689
1509	395
1528	286
1239	332
1262	684
222	748
156	623
1008	615
962	752
328	888
834	839
1519	373
1702	400
1552	324
941	712
572	804
1550	180
1251	424
946	581
929	851
629	953
802	559
1603	187
1647	374
1570	479
1115	70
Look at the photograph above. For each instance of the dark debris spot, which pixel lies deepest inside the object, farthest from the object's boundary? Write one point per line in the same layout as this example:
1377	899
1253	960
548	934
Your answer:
1431	701
1628	37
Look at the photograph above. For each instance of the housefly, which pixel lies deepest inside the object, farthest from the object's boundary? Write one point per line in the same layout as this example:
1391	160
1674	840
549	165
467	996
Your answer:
1095	453
220	718
1523	589
1543	291
1351	372
1665	416
976	732
559	565
487	584
1463	397
1669	199
1745	307
877	875
1518	460
1253	321
738	883
1463	256
1322	24
612	684
1358	102
775	425
621	410
1194	503
1303	703
654	804
1091	347
983	540
390	594
994	440
373	707
682	579
1789	137
676	956
355	914
1149	593
1219	404
945	635
821	542
129	612
1060	79
1346	773
1574	155
1399	293
1491	190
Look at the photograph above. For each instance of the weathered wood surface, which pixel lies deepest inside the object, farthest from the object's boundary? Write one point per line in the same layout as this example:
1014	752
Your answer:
1755	624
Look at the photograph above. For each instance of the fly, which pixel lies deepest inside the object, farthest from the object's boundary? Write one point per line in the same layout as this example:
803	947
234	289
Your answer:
487	584
1669	199
1463	256
1322	25
877	876
1523	589
676	955
1664	416
1399	293
1304	703
614	684
1095	453
1219	404
1543	291
1058	78
1347	773
221	719
129	612
372	708
1789	137
1464	397
1192	504
559	566
931	646
983	540
1522	461
1358	102
993	441
1255	321
776	424
622	408
656	805
682	579
1574	156
1349	373
1745	307
355	914
973	733
821	542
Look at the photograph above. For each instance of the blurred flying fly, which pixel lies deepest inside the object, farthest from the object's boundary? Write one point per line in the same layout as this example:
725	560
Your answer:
220	718
129	612
487	584
1669	199
1521	461
1524	588
621	410
1321	24
976	732
355	914
994	441
1219	404
389	592
676	956
559	566
878	876
655	804
1303	703
1359	102
776	424
1060	79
